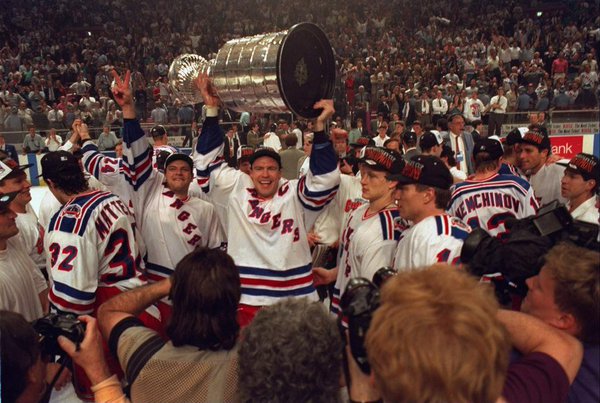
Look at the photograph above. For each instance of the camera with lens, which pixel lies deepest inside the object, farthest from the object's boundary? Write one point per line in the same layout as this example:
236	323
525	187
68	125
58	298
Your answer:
520	255
53	325
358	303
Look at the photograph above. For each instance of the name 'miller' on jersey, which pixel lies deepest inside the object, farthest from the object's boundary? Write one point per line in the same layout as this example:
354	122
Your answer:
488	203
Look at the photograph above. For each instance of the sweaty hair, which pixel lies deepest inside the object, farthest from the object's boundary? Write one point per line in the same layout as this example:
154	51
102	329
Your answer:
20	351
483	163
291	352
205	292
442	196
435	338
577	286
71	183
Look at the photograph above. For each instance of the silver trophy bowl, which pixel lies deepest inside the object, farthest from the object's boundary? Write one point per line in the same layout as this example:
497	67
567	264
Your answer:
269	73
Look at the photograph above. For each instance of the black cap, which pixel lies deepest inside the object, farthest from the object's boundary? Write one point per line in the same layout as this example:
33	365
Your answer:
179	157
490	146
425	170
265	152
58	162
430	139
9	168
538	139
409	137
382	159
158	131
515	136
6	199
585	165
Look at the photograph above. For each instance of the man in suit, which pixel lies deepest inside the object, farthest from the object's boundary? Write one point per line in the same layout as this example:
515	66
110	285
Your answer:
290	157
232	143
461	143
408	112
376	123
384	107
8	149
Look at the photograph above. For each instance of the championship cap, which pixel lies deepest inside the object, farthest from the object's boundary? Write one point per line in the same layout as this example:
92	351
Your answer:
9	168
425	170
363	141
244	153
178	157
5	199
490	146
382	159
158	131
56	163
538	139
430	139
265	152
585	165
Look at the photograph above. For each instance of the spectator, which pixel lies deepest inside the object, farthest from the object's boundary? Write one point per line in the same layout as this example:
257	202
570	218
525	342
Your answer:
199	363
33	142
53	141
8	149
290	157
107	140
461	143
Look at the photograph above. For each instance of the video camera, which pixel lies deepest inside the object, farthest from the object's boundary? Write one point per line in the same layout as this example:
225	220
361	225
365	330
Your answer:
359	301
520	255
53	325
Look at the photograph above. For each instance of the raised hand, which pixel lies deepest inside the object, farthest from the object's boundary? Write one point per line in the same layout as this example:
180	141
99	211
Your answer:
208	91
123	94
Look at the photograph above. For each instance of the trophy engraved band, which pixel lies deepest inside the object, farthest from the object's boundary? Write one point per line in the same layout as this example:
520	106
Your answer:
271	73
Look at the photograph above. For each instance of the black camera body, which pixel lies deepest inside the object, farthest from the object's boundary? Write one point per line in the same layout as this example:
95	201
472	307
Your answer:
53	325
358	303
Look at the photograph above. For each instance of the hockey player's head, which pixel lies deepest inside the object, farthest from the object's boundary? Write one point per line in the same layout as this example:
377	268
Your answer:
265	172
423	188
535	149
14	179
205	292
378	164
487	154
8	225
431	143
63	174
581	177
179	172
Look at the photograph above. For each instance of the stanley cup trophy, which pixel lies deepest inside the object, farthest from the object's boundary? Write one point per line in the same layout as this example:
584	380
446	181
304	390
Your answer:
270	73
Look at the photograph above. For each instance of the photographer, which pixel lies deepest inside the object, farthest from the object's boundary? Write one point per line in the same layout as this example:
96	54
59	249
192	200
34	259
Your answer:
453	344
24	370
199	363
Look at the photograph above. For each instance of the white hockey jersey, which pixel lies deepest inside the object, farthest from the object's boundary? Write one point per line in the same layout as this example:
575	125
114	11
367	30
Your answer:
170	227
267	238
489	202
91	248
31	234
368	243
436	239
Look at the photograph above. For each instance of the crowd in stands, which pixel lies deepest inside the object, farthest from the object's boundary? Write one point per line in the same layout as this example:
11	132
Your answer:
242	271
388	54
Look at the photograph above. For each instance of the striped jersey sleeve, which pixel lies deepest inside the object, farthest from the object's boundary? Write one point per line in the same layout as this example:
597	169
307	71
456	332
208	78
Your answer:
107	170
137	154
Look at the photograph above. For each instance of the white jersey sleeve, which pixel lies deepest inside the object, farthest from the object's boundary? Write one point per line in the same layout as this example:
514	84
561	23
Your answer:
31	234
90	244
436	239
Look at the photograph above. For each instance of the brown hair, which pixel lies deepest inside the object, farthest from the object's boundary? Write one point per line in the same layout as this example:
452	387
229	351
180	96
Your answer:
435	338
205	293
576	273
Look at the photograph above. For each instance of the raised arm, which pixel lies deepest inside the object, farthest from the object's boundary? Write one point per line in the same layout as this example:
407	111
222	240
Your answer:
319	186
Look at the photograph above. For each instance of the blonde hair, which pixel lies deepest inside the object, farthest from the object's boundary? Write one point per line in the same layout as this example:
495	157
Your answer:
435	338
